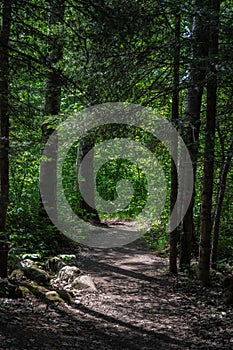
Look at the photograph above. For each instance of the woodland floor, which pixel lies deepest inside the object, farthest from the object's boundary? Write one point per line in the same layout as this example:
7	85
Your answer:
138	306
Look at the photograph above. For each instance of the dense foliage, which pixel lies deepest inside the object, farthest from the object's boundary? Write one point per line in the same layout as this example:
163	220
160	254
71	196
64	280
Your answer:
111	51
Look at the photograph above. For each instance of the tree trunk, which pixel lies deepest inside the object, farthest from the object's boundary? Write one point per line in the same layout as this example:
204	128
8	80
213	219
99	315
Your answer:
191	125
87	212
207	192
219	203
4	133
175	118
52	105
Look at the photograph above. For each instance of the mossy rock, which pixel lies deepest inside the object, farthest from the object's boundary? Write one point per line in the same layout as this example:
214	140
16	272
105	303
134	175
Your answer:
36	274
17	274
25	291
33	272
37	290
53	296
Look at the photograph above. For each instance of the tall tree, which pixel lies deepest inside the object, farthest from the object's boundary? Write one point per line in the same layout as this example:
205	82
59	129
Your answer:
191	123
87	212
211	106
52	100
4	132
219	203
175	119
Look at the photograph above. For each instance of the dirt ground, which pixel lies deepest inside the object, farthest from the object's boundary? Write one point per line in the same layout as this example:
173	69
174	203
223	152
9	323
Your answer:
138	306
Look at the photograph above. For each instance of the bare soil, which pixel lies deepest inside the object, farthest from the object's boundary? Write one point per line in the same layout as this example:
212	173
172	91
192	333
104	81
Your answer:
139	305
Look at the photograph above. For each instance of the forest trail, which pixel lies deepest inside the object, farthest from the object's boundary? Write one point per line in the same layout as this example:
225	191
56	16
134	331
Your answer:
138	306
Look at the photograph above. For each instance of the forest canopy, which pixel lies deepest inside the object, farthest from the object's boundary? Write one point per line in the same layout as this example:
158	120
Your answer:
60	57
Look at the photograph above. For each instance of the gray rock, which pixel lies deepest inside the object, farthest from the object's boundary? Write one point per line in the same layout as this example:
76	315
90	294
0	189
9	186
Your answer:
84	282
68	273
26	263
54	264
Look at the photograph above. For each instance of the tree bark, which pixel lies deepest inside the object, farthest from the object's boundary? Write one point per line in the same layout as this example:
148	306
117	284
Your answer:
207	192
52	105
4	133
175	119
219	203
87	212
191	125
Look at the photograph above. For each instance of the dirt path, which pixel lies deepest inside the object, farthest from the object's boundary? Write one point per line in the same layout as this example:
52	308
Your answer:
137	306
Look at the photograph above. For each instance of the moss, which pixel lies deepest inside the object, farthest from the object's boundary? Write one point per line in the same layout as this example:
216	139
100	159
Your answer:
17	273
53	296
36	274
35	289
25	291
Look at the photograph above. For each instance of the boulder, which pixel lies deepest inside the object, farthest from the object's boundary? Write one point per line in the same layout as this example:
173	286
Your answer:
68	274
26	263
84	282
25	291
53	296
17	274
35	289
31	271
54	264
36	274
